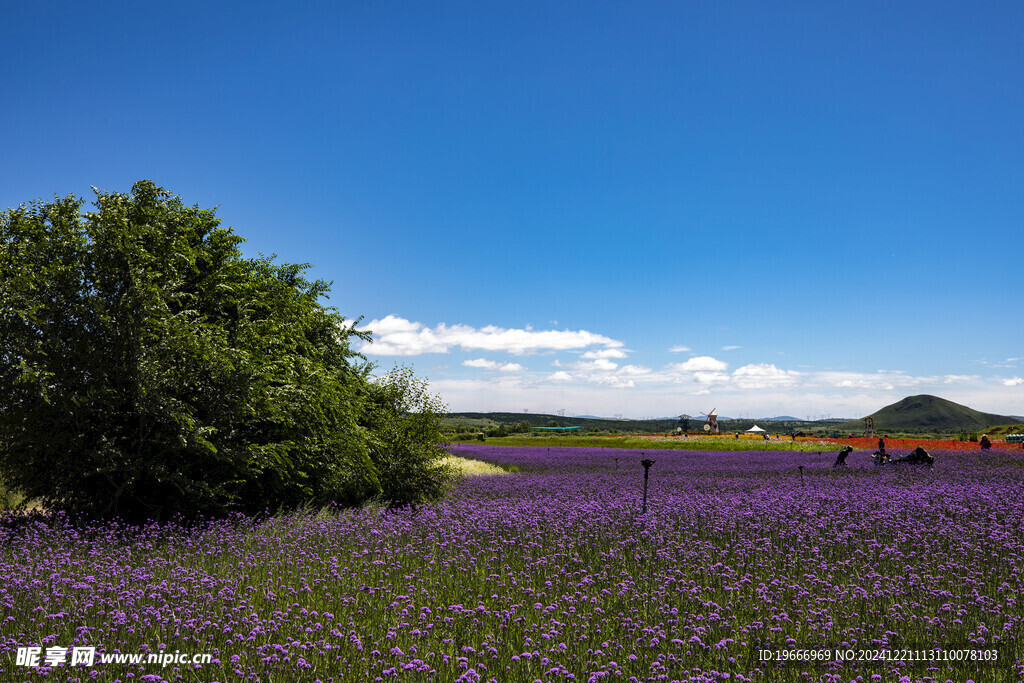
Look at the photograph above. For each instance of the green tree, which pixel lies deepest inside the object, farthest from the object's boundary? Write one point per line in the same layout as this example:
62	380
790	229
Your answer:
406	435
148	369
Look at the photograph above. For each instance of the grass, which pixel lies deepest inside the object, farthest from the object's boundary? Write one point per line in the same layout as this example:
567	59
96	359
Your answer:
1003	430
468	467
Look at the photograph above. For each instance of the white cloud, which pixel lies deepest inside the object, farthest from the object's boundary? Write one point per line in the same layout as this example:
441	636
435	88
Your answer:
395	336
1013	382
731	348
878	381
600	372
679	349
764	375
493	365
614	381
634	370
599	365
710	377
603	353
707	372
704	370
700	364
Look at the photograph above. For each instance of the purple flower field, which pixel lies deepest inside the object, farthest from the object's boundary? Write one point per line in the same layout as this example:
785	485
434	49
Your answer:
552	574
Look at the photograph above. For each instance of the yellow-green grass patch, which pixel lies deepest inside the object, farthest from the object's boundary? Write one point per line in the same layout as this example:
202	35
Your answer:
472	468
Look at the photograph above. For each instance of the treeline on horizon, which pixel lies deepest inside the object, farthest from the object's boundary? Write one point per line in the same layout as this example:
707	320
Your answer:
964	425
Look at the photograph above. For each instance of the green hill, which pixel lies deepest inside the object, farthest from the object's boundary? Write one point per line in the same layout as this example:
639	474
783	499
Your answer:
928	413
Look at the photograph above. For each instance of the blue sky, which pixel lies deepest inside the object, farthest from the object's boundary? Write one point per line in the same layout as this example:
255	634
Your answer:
799	208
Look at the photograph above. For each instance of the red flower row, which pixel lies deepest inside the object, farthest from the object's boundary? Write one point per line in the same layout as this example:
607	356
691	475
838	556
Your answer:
865	443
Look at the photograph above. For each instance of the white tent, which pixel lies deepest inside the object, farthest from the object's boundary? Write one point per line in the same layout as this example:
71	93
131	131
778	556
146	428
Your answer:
755	428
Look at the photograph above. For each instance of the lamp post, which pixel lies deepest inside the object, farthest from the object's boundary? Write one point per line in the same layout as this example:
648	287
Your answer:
647	473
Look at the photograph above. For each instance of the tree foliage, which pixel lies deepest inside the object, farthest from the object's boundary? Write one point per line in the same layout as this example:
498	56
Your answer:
147	368
406	438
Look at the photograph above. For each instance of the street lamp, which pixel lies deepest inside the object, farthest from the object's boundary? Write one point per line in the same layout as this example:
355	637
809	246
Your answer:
647	473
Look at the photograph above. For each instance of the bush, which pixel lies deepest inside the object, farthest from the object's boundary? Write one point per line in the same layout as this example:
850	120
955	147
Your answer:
11	500
406	439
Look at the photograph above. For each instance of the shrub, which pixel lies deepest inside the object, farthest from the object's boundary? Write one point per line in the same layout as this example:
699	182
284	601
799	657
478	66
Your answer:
11	500
406	440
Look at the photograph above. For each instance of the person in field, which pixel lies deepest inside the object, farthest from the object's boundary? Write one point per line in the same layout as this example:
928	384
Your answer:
841	458
881	457
918	456
985	442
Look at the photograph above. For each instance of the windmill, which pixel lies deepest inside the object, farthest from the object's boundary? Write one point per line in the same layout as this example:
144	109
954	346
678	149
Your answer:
711	424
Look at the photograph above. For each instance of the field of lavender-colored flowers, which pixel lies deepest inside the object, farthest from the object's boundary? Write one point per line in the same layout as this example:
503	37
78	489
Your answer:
552	574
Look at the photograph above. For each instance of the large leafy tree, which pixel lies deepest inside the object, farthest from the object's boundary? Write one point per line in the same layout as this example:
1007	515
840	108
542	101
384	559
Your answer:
148	369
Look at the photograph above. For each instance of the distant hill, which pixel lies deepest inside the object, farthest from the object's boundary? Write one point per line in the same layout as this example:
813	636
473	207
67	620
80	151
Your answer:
781	418
931	413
